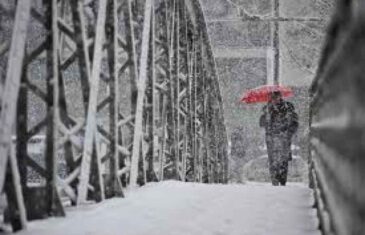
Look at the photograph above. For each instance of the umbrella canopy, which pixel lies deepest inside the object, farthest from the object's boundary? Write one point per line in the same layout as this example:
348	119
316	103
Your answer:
263	93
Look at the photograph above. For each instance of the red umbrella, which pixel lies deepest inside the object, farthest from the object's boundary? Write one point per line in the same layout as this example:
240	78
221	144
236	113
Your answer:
262	93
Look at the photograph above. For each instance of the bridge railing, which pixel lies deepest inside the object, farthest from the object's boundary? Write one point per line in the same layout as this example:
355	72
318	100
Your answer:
124	93
337	123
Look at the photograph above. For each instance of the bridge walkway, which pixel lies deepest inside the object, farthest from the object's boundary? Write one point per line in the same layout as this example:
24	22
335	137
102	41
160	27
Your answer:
173	207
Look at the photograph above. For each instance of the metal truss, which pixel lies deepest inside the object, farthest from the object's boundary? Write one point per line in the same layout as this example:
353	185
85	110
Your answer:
121	92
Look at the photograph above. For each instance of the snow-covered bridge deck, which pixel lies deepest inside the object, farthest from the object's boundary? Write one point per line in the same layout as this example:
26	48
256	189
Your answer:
170	208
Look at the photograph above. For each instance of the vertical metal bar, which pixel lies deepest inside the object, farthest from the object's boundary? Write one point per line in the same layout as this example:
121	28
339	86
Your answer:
216	146
209	137
77	10
141	94
163	144
195	137
12	83
172	82
144	145
52	61
177	71
205	122
116	186
92	109
53	206
186	105
132	55
276	43
191	106
17	187
189	59
201	104
153	90
162	63
83	61
12	197
21	130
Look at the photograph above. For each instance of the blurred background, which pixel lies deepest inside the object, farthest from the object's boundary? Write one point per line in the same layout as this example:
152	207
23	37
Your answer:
242	36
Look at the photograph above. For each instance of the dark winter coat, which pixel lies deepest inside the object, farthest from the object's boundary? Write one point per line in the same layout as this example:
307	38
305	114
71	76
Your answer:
280	122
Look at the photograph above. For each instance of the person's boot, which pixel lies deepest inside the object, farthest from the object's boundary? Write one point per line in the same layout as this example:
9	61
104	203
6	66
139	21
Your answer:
275	182
282	179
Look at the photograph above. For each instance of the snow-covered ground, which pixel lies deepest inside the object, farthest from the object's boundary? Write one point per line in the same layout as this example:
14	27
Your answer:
171	208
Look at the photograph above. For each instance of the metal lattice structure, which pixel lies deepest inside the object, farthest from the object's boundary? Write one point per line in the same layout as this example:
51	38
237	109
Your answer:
337	124
121	92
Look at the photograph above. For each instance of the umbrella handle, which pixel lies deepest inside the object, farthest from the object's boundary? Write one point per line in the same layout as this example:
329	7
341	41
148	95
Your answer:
267	116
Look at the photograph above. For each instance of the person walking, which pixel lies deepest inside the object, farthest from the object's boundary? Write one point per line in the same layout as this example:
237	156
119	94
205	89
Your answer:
280	122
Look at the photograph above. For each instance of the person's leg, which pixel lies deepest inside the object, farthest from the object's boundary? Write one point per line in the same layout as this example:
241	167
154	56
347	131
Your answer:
274	178
272	162
277	176
276	169
283	172
277	150
273	171
283	158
